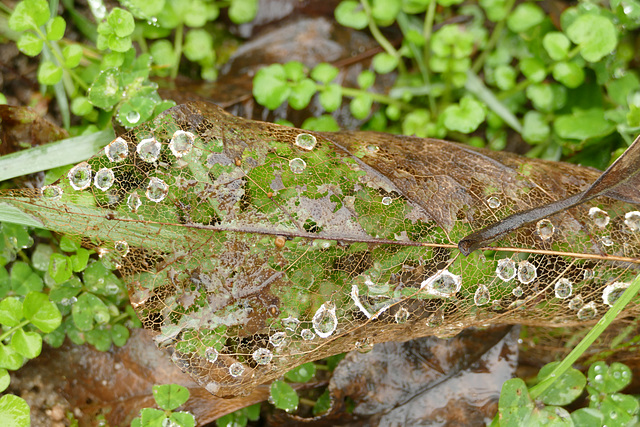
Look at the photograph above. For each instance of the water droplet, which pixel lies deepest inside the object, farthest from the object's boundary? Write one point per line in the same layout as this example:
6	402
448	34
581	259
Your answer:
104	179
496	305
364	346
181	143
587	274
576	303
236	369
306	141
617	375
506	269
52	192
277	339
133	117
372	148
291	323
117	150
597	368
134	202
588	311
517	292
168	422
262	356
402	315
527	272
211	354
545	229
324	320
493	202
606	241
625	374
111	289
563	288
386	201
80	176
149	150
598	378
122	247
297	165
157	190
611	293
600	218
443	284
436	319
632	220
481	296
307	334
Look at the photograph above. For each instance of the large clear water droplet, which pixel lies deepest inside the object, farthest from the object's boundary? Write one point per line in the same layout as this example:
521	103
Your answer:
606	241
51	192
290	323
277	339
632	220
493	202
386	200
517	292
587	274
364	346
297	165
121	247
481	296
149	150
211	354
134	202
611	293
262	356
527	272
133	117
588	311
402	315
324	320
443	284
307	334
104	179
80	176
181	143
506	269
117	150
236	369
306	141
576	303
545	229
563	288
157	190
600	218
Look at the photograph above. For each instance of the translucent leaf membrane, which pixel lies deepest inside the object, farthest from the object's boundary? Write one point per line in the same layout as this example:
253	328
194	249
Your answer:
250	248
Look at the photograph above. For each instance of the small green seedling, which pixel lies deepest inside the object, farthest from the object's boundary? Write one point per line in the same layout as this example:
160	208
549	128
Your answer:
168	397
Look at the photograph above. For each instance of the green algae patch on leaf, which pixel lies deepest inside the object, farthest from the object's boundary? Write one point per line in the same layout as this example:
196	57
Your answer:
250	248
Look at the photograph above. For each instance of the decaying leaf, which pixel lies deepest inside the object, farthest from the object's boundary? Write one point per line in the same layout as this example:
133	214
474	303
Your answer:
250	248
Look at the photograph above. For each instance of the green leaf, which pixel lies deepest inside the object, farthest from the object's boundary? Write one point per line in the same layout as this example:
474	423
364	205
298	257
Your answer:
30	44
69	289
146	8
619	409
331	97
49	73
587	417
119	44
324	123
565	389
60	268
80	106
242	11
5	379
301	94
583	125
121	21
41	312
324	72
151	417
295	71
569	74
465	117
69	244
556	44
283	396
384	63
119	335
10	311
136	110
620	89
609	379
40	257
105	91
24	279
360	106
87	309
323	403
162	53
524	17
385	11
9	358
595	34
99	337
536	130
55	28
170	396
415	123
533	69
366	79
302	373
14	411
350	14
515	404
28	344
270	87
183	419
505	76
198	45
29	14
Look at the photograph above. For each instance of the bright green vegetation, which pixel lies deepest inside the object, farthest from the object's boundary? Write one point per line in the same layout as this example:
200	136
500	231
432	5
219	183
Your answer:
567	90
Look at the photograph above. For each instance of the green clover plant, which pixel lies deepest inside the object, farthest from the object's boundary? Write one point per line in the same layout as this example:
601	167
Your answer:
168	397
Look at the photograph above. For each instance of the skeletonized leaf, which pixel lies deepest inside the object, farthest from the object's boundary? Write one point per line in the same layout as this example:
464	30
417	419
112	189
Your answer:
250	248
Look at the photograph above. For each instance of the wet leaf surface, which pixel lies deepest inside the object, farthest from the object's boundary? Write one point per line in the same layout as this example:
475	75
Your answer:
247	238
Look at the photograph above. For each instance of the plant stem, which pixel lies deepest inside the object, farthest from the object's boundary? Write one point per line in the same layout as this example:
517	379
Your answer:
377	97
380	38
178	50
426	51
12	330
493	40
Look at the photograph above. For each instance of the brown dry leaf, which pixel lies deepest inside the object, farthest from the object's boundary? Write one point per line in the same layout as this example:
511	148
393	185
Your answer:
253	247
22	127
